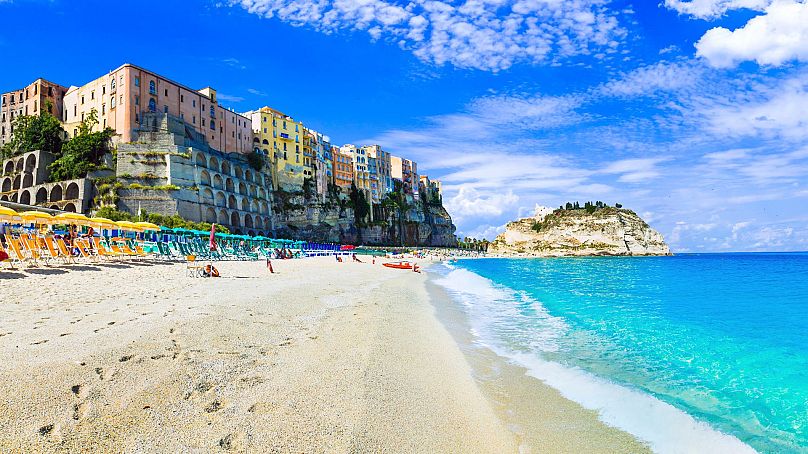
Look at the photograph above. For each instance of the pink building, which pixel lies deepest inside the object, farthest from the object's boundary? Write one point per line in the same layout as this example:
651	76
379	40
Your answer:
39	96
121	97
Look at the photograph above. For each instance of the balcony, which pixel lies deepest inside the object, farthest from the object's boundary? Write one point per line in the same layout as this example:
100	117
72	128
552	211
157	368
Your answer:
285	136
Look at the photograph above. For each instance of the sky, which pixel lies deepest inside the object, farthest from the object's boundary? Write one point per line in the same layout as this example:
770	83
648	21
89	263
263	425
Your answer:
693	113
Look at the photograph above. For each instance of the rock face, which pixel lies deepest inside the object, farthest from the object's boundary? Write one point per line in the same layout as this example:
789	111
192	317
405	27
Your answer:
604	231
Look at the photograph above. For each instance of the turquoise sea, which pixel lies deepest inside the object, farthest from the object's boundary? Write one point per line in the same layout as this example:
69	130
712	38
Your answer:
692	353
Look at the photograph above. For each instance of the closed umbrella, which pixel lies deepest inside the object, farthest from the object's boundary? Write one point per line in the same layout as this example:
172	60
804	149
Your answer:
212	242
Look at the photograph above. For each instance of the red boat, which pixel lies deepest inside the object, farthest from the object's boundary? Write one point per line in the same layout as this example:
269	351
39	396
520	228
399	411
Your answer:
399	265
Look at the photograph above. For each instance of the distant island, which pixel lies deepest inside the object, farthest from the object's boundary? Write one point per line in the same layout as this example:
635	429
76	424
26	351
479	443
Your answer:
594	229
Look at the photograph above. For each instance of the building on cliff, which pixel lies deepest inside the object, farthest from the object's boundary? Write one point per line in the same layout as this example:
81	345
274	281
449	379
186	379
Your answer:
40	95
281	138
25	180
406	171
126	94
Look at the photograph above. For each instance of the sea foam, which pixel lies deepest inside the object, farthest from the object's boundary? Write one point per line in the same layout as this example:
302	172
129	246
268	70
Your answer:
500	317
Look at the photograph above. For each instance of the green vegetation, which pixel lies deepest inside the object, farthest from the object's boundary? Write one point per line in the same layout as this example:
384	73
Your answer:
589	207
397	201
159	219
35	132
473	244
83	153
256	160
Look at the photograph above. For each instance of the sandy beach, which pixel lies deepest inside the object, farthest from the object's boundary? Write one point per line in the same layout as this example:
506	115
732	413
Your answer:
319	357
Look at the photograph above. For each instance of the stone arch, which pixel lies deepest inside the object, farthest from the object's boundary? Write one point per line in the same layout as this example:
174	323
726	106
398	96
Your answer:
231	202
207	196
210	215
254	206
14	197
214	163
242	189
264	208
253	190
70	207
28	180
4	198
248	175
248	221
41	196
229	186
55	207
265	142
25	198
56	193
259	224
17	181
239	173
218	183
7	185
220	199
225	167
9	168
245	204
30	163
200	160
234	219
72	191
204	178
223	218
20	164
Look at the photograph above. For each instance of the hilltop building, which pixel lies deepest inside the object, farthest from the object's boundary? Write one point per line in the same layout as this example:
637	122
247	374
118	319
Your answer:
280	137
405	171
343	168
37	96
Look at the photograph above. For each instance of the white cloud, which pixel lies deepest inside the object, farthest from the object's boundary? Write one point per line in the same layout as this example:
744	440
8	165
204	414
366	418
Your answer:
708	9
635	170
234	63
225	97
647	80
256	92
482	34
469	202
774	38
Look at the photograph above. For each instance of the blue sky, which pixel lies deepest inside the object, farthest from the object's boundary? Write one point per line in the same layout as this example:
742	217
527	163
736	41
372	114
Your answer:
692	113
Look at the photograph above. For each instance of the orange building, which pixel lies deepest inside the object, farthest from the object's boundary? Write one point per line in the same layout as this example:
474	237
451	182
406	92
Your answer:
121	97
343	168
32	100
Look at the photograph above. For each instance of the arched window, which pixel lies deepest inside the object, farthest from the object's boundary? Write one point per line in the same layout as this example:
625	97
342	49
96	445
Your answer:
112	85
152	105
152	87
212	112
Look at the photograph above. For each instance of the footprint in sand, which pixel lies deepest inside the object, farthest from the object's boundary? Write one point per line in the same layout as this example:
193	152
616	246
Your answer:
46	429
214	406
40	342
233	442
100	372
126	358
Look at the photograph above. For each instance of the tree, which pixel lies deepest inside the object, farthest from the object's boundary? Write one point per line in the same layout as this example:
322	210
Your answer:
361	208
35	132
256	160
397	200
82	153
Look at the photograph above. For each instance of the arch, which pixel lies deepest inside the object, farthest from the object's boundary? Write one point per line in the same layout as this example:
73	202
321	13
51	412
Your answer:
242	189
234	219
4	198
70	207
7	185
72	191
152	105
248	175
220	200
253	191
204	178
9	168
265	142
25	198
214	163
259	224
248	221
255	140
56	193
245	204
254	206
210	215
264	208
207	196
14	197
41	196
16	184
223	218
30	163
27	180
229	186
200	160
217	181
231	202
20	164
225	167
239	173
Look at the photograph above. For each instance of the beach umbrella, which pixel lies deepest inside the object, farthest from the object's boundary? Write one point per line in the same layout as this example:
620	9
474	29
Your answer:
148	226
102	223
130	226
36	217
70	218
7	214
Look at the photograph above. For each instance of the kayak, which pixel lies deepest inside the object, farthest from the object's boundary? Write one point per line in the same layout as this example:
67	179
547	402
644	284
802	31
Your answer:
399	265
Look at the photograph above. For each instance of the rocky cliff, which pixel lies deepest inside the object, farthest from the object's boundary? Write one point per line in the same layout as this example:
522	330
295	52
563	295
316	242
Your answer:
596	232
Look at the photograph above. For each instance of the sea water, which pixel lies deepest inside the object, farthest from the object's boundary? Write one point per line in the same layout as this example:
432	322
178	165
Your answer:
692	353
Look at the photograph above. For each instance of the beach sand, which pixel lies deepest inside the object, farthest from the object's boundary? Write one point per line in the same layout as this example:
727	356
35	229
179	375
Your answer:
319	357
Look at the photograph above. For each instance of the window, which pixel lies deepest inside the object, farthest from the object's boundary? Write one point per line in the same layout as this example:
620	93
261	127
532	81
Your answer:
182	116
212	125
137	118
212	112
203	122
112	85
92	94
152	105
165	109
284	148
194	119
182	98
103	90
4	101
284	124
297	128
137	100
111	102
103	109
194	102
166	91
284	153
75	110
82	100
152	87
265	130
137	82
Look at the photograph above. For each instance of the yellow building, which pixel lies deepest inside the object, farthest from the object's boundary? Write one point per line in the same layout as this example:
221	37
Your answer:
280	137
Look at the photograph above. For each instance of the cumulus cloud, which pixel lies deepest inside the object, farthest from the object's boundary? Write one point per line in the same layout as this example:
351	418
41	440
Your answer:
774	38
708	9
482	34
470	202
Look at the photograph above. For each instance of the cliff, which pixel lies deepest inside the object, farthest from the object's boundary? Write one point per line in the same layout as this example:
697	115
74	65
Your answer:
598	232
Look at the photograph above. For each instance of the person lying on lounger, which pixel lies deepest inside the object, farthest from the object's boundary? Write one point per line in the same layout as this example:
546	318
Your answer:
356	259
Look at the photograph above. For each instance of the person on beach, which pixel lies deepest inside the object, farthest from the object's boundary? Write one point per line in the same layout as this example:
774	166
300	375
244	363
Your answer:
269	266
339	259
356	259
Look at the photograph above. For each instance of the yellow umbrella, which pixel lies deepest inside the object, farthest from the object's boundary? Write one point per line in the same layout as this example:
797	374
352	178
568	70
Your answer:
8	214
71	217
36	217
148	226
131	226
103	223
